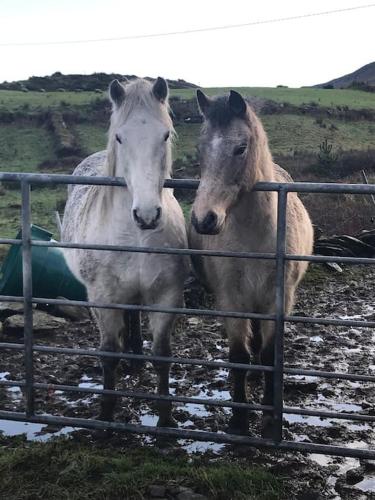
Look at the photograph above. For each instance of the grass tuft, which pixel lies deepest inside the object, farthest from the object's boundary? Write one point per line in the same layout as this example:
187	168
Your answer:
64	469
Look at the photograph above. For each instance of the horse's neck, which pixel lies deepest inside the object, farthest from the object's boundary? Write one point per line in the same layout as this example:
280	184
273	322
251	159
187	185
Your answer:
258	206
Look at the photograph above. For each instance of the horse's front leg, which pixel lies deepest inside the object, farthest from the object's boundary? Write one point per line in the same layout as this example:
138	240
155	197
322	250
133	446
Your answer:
161	326
133	339
239	336
111	326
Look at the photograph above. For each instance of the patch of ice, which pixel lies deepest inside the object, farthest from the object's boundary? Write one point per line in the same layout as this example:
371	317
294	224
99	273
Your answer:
148	419
32	431
350	407
308	420
200	446
316	338
354	316
86	382
367	485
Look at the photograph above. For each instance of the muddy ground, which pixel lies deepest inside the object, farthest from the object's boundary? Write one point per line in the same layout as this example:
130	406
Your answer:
323	293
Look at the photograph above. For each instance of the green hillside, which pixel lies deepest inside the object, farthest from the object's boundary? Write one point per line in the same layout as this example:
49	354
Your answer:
353	99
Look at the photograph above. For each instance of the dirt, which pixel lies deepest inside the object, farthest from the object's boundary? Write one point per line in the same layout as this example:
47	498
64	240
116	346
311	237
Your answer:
323	294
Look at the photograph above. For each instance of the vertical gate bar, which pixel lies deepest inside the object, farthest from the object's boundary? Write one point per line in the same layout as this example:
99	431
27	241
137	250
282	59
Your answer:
280	314
27	297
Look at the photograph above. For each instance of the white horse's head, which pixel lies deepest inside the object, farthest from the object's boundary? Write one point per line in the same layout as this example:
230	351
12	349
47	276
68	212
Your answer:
139	147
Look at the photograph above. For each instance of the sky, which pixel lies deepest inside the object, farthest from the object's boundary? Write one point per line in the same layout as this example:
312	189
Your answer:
294	53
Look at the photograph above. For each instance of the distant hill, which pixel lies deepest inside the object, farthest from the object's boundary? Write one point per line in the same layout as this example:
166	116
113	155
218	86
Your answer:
94	82
361	78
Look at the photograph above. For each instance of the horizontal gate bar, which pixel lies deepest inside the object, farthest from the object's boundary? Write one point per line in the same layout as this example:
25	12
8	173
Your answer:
189	251
191	361
125	355
145	308
325	374
193	312
300	187
139	395
153	397
330	321
191	400
192	434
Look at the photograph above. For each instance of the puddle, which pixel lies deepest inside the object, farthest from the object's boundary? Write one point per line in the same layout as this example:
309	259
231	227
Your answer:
367	485
348	407
33	431
148	419
200	446
308	420
87	382
316	338
15	393
305	378
354	317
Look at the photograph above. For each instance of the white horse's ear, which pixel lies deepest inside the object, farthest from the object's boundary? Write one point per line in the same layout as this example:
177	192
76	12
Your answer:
160	89
237	103
204	102
116	92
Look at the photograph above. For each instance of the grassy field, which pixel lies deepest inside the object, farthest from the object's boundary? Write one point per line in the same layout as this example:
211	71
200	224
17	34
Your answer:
286	133
354	99
69	470
22	148
14	99
289	133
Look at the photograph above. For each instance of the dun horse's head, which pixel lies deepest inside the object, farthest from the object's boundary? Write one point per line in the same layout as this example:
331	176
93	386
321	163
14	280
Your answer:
140	146
226	153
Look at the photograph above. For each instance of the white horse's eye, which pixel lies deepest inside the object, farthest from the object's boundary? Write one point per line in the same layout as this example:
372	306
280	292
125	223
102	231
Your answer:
118	139
166	136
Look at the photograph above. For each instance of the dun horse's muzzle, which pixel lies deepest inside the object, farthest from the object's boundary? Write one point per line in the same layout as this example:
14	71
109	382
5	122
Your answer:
209	225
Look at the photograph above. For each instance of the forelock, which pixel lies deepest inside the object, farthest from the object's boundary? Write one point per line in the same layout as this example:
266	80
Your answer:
219	113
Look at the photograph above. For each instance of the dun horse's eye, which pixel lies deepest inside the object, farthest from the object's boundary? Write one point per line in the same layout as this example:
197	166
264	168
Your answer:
166	136
239	150
118	139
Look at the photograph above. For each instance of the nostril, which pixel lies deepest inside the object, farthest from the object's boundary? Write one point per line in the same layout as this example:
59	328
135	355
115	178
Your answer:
194	219
136	216
210	220
158	214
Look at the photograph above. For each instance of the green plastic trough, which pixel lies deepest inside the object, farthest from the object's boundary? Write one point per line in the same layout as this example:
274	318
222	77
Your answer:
50	273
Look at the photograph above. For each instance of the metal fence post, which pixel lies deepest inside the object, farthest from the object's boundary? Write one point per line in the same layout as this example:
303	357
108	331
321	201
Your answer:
280	314
27	297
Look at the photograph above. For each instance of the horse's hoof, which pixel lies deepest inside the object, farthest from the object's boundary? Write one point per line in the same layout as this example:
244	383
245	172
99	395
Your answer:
167	422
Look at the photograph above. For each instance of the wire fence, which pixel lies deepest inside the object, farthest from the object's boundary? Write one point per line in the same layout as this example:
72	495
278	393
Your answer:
279	317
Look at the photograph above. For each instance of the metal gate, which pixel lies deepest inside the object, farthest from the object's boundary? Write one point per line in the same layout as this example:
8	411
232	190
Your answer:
280	318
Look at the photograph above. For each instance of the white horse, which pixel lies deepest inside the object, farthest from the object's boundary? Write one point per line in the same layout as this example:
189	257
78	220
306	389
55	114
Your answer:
142	214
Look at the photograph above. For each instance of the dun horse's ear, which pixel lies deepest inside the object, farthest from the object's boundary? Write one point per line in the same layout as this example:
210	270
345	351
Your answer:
237	103
204	102
116	92
160	89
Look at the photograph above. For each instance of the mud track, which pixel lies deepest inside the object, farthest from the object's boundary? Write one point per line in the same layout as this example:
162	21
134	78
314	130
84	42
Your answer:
323	294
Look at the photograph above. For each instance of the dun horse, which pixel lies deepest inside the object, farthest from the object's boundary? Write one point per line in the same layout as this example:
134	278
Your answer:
142	214
228	215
